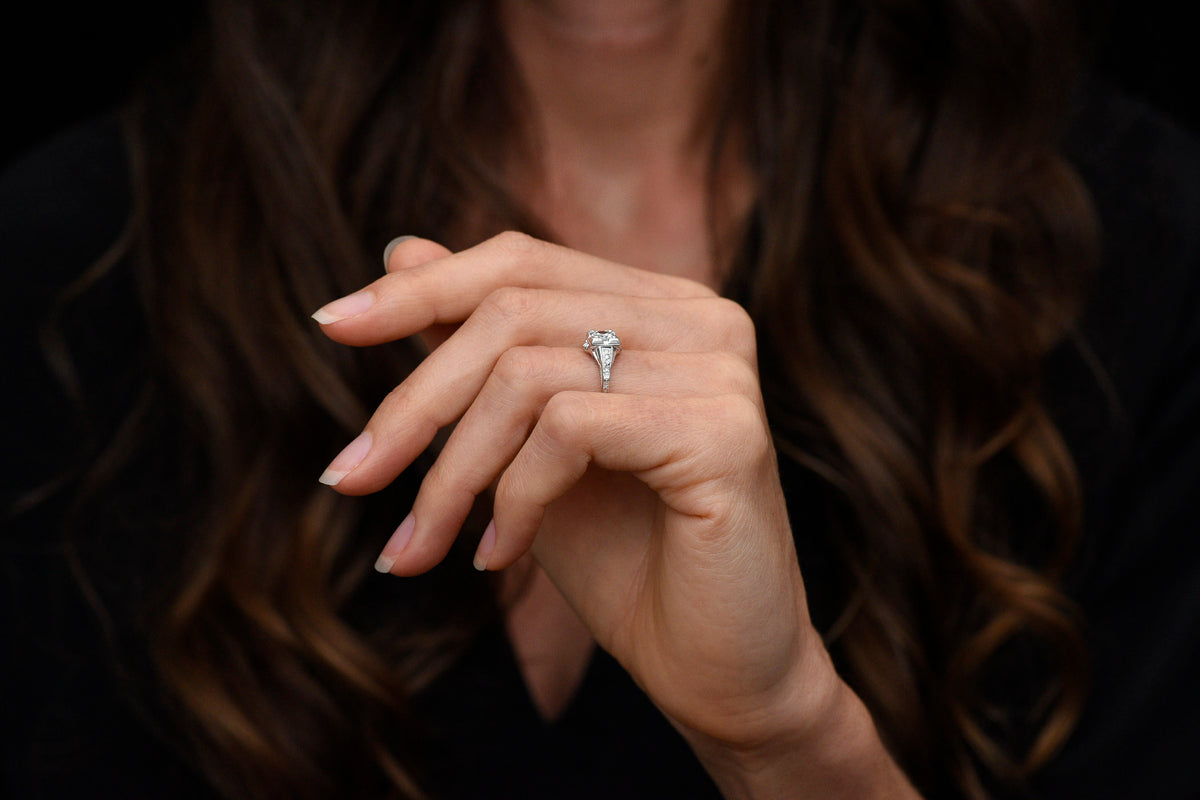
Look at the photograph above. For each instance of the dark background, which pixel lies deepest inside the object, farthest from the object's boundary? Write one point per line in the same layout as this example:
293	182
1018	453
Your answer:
61	63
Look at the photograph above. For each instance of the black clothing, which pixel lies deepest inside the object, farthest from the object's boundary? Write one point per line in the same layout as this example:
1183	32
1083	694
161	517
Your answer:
68	728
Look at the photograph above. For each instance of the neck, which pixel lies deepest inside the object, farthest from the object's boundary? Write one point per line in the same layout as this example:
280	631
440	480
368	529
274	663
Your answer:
618	84
619	97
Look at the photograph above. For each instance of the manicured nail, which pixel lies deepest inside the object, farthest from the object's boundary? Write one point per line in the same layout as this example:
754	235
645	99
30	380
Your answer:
487	543
343	308
347	460
387	251
396	544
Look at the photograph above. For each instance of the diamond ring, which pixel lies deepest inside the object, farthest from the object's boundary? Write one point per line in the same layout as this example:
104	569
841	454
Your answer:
604	346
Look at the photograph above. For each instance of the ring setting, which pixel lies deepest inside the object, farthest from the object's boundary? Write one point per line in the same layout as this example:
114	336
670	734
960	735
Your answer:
604	346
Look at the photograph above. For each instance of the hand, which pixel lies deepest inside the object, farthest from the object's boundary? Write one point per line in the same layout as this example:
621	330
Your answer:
656	508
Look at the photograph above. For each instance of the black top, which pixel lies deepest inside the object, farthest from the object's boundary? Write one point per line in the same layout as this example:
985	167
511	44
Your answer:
69	729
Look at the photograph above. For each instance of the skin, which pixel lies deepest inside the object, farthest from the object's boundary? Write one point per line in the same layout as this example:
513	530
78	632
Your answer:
655	510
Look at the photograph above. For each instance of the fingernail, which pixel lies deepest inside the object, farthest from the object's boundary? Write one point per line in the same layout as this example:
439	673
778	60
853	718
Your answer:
387	251
348	459
487	543
343	308
396	544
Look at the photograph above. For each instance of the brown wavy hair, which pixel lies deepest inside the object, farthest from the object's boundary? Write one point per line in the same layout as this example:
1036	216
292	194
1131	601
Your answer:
917	247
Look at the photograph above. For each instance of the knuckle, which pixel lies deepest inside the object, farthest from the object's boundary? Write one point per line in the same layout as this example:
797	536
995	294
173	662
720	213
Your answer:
440	479
566	414
398	401
519	366
735	321
508	304
519	246
731	372
510	491
524	259
401	406
449	484
689	288
747	435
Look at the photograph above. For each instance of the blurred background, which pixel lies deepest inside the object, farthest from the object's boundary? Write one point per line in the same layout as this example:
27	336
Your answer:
62	64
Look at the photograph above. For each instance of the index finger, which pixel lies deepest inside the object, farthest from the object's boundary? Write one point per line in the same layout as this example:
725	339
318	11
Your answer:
447	290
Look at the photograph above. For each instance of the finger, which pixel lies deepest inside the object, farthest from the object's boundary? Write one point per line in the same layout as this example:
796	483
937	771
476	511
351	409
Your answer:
692	452
444	385
497	424
448	290
406	252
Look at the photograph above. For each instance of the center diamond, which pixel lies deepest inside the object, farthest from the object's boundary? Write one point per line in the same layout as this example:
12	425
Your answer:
601	339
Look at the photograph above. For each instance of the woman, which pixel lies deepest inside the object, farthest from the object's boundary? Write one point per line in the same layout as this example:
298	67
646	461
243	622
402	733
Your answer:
830	526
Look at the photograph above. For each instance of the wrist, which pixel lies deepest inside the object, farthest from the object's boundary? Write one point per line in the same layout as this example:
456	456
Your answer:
821	744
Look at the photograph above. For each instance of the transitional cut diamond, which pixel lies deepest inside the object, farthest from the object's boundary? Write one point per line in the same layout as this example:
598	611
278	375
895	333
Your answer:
601	339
